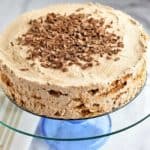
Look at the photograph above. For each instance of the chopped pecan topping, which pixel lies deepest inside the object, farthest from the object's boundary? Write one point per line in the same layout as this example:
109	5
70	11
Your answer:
60	41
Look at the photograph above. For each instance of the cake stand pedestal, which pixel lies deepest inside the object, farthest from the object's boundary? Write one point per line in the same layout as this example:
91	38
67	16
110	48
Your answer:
79	128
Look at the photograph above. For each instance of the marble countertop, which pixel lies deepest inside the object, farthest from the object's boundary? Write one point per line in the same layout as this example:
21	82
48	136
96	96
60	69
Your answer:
137	138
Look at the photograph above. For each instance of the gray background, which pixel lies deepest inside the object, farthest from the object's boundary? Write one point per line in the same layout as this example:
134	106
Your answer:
137	138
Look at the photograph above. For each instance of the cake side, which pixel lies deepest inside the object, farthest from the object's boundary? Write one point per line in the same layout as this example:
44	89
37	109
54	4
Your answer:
72	102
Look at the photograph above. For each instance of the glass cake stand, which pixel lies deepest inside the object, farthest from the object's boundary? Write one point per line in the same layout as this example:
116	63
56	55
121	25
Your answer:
84	134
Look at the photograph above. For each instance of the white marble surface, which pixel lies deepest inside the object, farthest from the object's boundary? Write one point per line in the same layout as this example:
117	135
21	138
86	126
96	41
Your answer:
137	138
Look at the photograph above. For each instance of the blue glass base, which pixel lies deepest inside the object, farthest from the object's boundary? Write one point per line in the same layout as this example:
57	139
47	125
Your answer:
76	129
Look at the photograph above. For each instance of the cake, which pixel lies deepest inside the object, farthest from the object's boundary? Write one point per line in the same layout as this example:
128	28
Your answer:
73	61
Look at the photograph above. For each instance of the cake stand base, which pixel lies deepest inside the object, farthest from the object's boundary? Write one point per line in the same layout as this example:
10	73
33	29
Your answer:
75	129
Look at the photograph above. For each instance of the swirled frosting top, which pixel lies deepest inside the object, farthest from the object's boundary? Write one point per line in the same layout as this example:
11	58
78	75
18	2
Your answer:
73	44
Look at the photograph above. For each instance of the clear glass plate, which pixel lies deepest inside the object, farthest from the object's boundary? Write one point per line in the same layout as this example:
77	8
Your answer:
77	130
